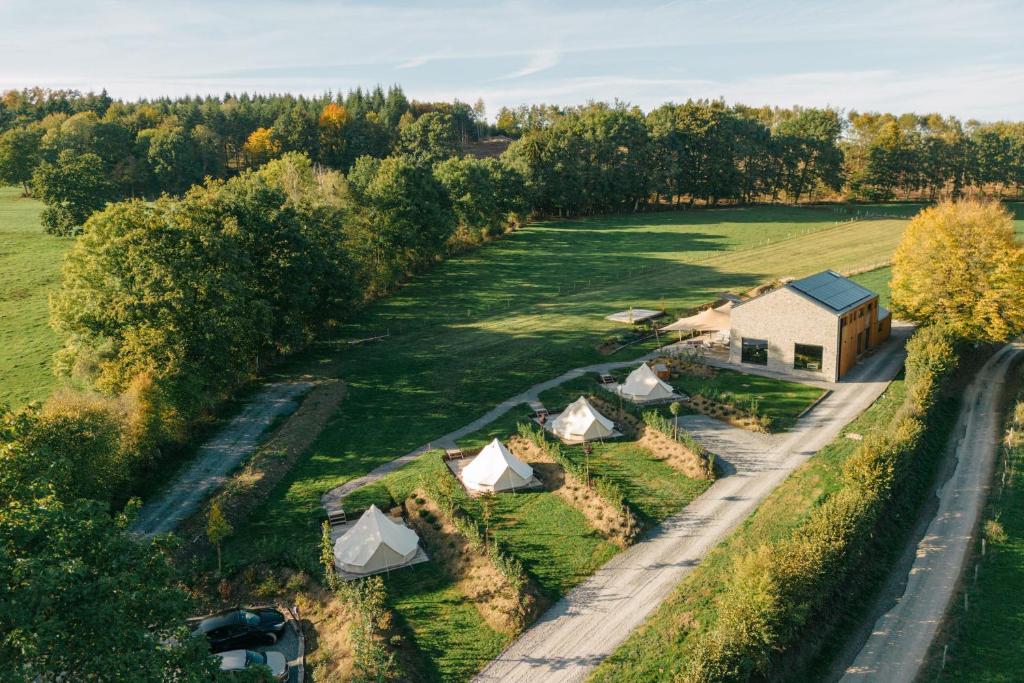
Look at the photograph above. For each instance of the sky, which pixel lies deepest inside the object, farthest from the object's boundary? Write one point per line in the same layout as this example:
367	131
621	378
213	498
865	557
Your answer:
963	58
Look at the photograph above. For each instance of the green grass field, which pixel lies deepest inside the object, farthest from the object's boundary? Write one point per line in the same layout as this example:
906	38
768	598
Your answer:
30	263
552	539
652	488
451	640
877	280
985	642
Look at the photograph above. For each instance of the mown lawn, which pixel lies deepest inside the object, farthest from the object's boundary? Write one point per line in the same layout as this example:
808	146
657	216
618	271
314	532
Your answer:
30	262
780	400
487	325
985	643
452	641
654	651
552	539
652	488
877	280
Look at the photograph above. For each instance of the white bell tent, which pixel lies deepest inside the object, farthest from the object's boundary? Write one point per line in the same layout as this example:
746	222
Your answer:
375	543
496	469
644	385
581	422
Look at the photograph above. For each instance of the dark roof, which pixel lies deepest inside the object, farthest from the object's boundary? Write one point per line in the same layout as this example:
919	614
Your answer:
832	290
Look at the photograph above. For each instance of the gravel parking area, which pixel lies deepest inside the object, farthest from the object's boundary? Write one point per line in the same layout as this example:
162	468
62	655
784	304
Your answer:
291	645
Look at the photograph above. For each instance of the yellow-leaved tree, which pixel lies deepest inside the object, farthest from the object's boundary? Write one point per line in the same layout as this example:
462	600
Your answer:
261	146
959	264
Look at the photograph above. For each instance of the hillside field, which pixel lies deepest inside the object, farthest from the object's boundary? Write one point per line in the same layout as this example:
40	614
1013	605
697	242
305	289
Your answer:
29	270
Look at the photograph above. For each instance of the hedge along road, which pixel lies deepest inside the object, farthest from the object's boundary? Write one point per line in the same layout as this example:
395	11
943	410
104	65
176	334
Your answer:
588	624
896	648
215	460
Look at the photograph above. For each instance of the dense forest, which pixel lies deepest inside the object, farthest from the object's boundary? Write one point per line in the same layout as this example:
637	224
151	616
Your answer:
216	235
78	152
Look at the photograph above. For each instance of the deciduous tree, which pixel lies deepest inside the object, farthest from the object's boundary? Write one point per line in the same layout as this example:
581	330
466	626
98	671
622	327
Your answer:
959	264
72	188
19	154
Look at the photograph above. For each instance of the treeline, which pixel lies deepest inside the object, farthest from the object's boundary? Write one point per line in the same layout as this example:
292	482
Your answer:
784	592
78	152
610	158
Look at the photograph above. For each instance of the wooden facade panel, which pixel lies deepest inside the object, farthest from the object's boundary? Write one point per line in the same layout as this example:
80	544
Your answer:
858	333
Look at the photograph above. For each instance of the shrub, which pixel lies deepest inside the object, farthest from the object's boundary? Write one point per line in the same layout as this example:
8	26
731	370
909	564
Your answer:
447	498
994	532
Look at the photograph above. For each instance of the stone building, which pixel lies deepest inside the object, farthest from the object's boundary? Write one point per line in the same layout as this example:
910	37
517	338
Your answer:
816	327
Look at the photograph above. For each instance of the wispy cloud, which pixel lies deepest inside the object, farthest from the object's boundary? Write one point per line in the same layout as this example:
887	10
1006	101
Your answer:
414	62
542	60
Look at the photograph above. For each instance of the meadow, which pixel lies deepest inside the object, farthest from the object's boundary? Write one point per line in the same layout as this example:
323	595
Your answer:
29	270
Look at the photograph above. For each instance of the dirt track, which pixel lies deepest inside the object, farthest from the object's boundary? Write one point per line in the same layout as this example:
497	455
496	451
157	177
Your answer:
217	458
594	618
896	648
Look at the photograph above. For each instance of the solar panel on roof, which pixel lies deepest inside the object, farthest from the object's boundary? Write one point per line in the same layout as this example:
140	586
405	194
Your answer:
831	289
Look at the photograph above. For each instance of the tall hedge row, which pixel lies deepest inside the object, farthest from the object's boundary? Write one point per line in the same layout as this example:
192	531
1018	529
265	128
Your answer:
778	590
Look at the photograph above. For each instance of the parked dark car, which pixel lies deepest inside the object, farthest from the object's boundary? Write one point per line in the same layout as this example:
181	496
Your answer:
240	628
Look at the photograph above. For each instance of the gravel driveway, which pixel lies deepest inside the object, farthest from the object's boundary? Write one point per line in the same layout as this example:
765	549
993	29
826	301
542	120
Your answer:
216	459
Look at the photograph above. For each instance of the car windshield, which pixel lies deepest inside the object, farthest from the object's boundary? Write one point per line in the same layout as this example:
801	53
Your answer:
252	658
250	618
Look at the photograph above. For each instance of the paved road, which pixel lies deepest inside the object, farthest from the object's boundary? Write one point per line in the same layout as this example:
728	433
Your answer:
896	648
594	618
218	457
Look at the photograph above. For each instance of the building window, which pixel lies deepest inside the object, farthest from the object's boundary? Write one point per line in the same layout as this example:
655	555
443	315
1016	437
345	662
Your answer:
879	328
807	357
755	351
